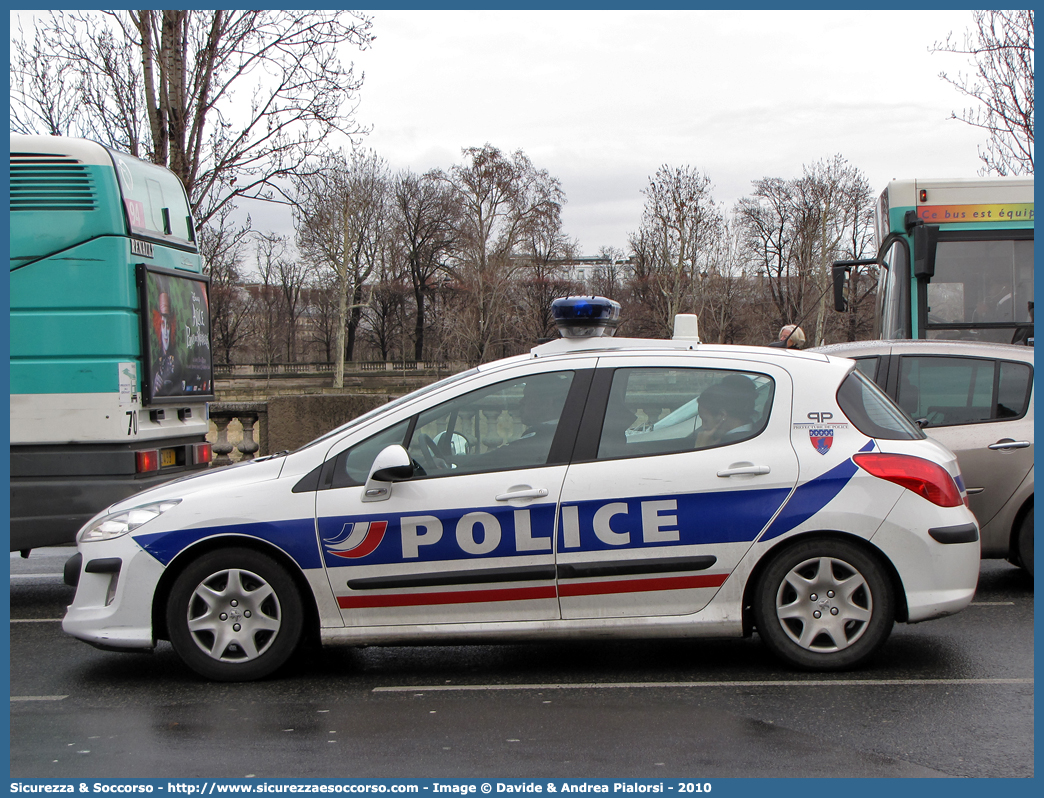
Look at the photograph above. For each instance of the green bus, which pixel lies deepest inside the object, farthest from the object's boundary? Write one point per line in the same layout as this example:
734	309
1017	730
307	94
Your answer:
955	260
111	366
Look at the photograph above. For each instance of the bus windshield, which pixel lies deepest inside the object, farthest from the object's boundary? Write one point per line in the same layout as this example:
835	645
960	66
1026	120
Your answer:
987	284
154	200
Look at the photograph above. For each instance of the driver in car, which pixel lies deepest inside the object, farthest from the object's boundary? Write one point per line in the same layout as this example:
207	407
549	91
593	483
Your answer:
543	398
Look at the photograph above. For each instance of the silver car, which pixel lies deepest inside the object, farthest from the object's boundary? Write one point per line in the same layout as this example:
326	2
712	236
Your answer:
977	399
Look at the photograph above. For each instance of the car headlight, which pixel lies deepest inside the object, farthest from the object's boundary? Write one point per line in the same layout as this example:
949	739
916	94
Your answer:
116	524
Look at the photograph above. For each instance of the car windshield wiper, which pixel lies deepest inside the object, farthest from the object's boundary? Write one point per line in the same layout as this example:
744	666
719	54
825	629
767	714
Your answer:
272	456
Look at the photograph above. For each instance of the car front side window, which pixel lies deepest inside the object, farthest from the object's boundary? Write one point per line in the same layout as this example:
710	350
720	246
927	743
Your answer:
352	466
508	425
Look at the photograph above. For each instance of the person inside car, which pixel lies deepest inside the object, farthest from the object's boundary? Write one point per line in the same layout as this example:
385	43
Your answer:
543	399
726	413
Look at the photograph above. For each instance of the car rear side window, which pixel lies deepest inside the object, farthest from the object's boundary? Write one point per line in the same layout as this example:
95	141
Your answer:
1013	389
868	366
871	412
947	391
664	410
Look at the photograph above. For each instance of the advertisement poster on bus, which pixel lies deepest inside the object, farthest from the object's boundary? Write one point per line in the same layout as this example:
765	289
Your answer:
176	336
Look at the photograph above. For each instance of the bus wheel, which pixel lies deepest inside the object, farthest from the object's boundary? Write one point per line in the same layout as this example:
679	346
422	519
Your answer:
824	604
234	615
1025	542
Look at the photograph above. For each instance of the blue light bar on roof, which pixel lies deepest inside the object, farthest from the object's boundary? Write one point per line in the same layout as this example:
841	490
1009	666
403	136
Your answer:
586	316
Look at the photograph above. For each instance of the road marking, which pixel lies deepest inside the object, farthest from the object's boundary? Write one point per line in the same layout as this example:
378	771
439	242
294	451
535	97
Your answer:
433	688
38	697
37	576
36	620
993	604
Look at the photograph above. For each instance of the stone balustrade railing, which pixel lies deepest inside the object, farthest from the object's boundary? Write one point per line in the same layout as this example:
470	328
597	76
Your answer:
226	371
252	417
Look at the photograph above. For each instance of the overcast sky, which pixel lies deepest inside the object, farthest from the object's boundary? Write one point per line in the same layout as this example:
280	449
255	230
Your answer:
600	99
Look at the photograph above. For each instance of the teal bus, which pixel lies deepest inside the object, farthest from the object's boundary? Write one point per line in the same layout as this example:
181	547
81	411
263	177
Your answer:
955	260
111	367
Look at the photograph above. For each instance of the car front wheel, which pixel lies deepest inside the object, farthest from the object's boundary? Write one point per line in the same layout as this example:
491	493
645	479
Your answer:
824	604
1025	543
234	615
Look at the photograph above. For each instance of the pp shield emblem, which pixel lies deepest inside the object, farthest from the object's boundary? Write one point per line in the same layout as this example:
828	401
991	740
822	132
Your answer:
821	439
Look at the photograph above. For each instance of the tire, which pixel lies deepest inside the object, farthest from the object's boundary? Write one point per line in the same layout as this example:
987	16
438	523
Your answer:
1025	542
234	615
844	584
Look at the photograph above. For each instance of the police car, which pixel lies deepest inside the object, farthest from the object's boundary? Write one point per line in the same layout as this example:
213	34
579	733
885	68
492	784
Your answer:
542	496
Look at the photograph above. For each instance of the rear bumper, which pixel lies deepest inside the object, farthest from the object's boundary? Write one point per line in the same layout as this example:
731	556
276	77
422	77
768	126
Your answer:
937	563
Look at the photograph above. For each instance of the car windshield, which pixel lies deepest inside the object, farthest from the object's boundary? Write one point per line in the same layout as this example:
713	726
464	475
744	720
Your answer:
390	406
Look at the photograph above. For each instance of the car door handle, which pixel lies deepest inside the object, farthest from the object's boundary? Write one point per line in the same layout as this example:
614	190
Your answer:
1009	445
743	470
522	492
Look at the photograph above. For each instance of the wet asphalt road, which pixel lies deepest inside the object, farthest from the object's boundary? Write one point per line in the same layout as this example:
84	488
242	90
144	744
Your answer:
951	697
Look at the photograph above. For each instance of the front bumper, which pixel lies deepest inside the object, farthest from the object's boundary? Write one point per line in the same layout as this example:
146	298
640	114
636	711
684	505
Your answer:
115	584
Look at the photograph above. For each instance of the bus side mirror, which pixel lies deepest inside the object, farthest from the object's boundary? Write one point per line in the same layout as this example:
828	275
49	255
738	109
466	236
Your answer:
926	239
839	271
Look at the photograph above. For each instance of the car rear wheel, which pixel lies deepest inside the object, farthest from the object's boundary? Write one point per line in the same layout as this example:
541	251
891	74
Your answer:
824	604
234	615
1025	542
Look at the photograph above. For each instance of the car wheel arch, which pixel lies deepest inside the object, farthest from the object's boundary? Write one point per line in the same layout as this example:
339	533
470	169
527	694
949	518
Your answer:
751	586
185	557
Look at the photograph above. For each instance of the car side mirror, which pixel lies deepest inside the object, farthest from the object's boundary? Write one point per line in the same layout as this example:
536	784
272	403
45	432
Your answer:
392	464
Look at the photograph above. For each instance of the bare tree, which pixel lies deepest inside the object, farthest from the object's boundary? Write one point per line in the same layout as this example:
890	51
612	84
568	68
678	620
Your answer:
541	277
232	101
222	246
769	237
679	224
385	328
424	227
322	310
268	314
609	279
844	200
794	229
341	214
44	96
1001	44
500	200
292	278
643	313
728	289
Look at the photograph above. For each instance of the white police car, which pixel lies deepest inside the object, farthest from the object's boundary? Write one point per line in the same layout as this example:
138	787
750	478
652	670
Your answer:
539	497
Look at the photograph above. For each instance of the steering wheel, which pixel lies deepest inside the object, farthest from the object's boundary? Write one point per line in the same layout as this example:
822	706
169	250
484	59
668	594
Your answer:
429	453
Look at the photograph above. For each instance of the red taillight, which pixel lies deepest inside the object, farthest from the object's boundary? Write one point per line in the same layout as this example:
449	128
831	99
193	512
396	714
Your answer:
203	453
923	477
147	460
